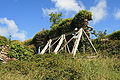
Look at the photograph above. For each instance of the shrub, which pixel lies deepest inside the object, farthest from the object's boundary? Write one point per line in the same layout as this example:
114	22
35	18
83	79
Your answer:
65	26
114	35
60	67
32	46
41	38
16	42
28	42
78	20
109	47
3	41
19	51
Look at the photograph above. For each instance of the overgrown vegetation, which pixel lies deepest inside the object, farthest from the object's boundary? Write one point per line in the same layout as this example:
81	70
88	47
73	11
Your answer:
104	65
114	36
109	47
61	67
19	51
3	40
65	26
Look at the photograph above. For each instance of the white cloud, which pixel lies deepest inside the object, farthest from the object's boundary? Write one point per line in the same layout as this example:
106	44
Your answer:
47	11
65	5
99	11
68	5
117	14
9	26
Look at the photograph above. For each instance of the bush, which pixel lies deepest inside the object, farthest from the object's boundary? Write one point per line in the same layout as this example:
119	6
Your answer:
19	51
114	35
65	26
78	20
3	41
32	46
28	42
109	47
60	67
41	38
16	42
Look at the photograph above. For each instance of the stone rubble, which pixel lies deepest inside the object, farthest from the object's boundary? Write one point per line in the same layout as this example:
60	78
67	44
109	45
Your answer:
3	54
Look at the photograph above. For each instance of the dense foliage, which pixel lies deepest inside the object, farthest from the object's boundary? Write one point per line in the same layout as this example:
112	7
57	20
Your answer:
28	42
108	44
3	40
104	65
41	38
78	20
65	26
61	67
109	47
19	51
114	36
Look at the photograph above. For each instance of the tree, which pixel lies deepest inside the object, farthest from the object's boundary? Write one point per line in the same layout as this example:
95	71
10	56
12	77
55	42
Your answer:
55	18
60	26
81	20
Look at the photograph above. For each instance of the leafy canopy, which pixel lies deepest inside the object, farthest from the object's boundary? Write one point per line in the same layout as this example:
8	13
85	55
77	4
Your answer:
60	26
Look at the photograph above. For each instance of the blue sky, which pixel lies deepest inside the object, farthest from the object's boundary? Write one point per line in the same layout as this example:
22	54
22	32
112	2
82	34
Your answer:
24	18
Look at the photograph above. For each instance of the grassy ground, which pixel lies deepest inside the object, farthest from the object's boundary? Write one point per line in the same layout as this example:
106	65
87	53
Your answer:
61	67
